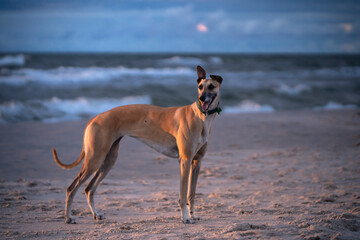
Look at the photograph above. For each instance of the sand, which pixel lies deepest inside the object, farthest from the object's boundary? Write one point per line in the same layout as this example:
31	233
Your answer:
283	175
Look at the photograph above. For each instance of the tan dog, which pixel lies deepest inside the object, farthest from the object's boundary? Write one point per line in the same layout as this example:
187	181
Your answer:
178	132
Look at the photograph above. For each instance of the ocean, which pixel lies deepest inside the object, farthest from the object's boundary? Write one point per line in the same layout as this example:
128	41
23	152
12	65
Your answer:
62	87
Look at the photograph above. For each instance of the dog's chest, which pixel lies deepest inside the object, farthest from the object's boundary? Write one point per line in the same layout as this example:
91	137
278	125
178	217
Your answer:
205	132
204	135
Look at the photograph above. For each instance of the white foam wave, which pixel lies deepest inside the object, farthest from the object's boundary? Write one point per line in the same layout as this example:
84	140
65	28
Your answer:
56	109
335	106
100	75
292	90
248	106
216	60
333	72
9	60
182	61
310	76
89	75
190	61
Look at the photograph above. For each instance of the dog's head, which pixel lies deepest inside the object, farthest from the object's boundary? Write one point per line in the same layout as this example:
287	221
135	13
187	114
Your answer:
208	89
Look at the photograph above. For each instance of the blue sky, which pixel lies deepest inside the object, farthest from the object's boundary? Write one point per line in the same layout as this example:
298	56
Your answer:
180	26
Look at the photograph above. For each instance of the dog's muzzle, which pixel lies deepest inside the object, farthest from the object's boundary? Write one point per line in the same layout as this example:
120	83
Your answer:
206	101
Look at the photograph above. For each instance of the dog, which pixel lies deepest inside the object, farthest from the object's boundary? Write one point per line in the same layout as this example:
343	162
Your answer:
177	132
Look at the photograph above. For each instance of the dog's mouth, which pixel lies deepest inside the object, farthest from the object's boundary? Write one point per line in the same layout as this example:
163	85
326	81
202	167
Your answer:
206	104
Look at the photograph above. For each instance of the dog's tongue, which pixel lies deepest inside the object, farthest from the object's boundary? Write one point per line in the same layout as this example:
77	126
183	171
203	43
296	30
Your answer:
205	105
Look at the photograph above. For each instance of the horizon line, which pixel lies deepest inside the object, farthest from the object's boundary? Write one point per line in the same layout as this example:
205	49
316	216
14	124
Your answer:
179	53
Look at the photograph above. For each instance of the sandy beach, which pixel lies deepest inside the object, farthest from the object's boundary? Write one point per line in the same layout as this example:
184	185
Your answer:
282	175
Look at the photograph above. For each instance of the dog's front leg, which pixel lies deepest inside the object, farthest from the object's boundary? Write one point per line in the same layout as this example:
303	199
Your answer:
194	174
186	154
185	164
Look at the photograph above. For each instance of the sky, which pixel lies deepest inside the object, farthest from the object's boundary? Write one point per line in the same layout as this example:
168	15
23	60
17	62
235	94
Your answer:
255	26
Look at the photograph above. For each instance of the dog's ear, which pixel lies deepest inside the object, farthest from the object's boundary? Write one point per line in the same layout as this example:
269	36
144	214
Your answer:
217	78
201	73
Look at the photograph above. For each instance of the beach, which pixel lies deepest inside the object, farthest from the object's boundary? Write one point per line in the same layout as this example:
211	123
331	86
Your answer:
278	175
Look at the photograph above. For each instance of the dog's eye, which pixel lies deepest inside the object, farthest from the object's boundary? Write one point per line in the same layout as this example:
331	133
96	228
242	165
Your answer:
211	87
201	87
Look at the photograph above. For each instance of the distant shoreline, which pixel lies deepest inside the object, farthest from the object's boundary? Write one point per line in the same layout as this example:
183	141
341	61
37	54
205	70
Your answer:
185	53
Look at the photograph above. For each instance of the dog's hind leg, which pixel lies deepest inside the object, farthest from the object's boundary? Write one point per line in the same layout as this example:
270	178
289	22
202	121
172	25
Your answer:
194	174
99	176
84	174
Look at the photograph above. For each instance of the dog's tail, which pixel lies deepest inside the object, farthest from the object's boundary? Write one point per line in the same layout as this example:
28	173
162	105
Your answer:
71	165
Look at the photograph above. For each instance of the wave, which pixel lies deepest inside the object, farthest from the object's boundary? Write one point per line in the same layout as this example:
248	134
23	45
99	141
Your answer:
248	106
9	60
353	71
190	61
334	72
183	61
335	106
283	82
56	109
292	90
215	60
90	75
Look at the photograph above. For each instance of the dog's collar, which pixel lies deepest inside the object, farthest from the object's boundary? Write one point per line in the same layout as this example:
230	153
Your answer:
215	110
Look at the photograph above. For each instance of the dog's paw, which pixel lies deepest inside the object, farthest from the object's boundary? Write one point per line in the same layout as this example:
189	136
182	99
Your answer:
99	216
70	220
188	221
195	218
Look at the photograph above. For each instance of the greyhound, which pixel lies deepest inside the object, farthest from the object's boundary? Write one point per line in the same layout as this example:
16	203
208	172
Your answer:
177	132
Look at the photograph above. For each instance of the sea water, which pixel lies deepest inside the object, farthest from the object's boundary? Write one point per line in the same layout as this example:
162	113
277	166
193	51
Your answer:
61	87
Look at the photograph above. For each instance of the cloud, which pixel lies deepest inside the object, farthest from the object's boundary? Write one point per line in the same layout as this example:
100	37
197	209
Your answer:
347	27
201	27
173	26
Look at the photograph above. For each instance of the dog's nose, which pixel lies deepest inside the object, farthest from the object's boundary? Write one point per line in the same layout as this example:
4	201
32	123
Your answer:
202	98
